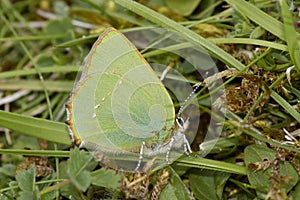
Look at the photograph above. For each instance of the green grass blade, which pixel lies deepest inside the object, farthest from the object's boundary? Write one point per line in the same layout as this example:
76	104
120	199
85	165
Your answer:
167	23
35	127
31	38
52	69
32	152
286	105
291	36
35	85
263	43
261	18
205	163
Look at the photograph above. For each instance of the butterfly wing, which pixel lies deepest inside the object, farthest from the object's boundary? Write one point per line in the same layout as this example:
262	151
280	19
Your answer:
119	102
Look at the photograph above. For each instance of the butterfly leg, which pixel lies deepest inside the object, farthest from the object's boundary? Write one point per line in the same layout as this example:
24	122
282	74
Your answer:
183	126
140	157
186	146
169	150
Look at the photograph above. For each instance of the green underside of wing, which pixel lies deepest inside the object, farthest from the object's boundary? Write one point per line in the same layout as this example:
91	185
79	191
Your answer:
119	101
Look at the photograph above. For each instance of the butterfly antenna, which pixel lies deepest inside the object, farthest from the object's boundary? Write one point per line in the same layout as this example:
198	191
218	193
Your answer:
179	119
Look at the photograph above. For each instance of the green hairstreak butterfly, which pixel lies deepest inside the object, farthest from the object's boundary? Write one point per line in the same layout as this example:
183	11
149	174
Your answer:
120	110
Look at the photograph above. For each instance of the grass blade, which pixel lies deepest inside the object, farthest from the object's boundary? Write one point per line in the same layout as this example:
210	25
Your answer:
35	127
291	36
167	23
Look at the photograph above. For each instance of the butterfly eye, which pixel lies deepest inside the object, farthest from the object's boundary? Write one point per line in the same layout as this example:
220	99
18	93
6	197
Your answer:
180	122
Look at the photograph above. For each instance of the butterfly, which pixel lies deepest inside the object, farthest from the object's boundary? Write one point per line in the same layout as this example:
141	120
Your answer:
120	110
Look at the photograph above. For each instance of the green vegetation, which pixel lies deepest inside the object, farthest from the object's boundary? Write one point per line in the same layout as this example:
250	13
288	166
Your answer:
255	45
